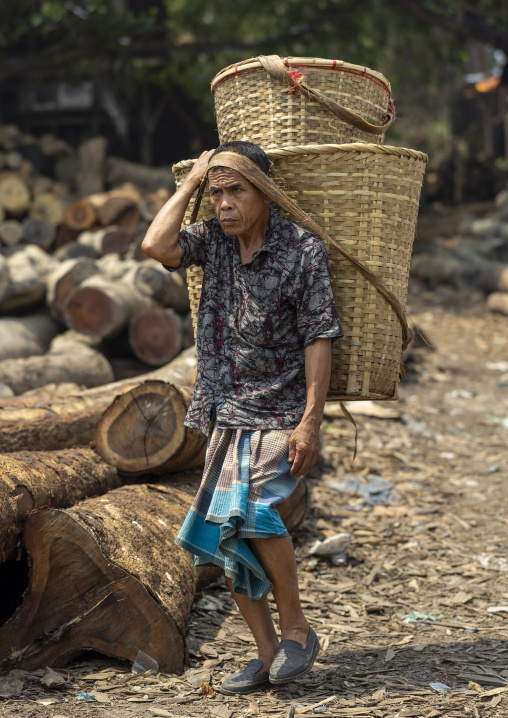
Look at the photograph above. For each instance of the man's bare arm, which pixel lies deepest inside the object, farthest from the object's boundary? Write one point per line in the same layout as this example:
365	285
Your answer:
161	239
304	442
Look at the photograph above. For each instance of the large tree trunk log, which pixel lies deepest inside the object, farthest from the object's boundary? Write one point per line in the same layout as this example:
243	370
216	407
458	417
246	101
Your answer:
75	362
102	308
49	207
26	336
142	432
28	268
64	280
152	203
498	302
119	171
107	576
167	288
461	272
11	232
155	336
65	421
35	479
80	215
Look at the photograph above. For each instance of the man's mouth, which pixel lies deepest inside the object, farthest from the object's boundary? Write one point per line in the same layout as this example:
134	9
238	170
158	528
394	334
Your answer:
228	220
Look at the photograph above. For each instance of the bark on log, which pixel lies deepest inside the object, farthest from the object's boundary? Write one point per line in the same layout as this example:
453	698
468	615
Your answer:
64	280
494	278
39	231
155	336
14	195
26	336
77	363
167	288
64	421
102	308
105	241
117	203
4	278
498	302
187	331
35	479
107	576
11	232
142	432
28	268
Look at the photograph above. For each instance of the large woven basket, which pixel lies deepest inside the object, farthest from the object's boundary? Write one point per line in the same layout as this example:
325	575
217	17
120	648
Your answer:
366	198
252	105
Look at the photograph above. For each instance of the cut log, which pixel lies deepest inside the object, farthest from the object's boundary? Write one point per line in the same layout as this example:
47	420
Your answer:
39	231
115	267
64	421
102	308
64	280
494	278
91	158
80	215
498	302
167	288
107	576
118	201
152	203
4	278
77	363
48	207
35	479
155	336
26	336
14	195
11	232
119	171
105	241
142	432
41	185
461	272
28	268
129	220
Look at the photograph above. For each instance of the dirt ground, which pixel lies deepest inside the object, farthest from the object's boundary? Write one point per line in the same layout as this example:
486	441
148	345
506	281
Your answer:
414	621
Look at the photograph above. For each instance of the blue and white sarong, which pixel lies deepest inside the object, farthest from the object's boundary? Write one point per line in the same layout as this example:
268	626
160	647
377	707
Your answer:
246	474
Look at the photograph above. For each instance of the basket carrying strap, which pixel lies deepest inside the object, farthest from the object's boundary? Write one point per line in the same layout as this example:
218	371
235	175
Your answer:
275	67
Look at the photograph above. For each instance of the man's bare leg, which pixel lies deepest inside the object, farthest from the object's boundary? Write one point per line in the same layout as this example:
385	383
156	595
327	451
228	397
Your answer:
259	619
277	556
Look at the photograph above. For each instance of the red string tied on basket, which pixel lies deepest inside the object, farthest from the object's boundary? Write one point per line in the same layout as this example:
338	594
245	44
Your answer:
295	75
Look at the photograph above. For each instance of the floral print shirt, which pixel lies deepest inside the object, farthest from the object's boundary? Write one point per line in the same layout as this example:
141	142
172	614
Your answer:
254	323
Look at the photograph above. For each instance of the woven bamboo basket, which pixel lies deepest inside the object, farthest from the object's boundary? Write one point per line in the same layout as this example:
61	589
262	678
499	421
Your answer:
366	198
252	105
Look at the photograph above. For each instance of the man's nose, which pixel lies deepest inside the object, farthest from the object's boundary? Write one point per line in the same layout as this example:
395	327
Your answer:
225	202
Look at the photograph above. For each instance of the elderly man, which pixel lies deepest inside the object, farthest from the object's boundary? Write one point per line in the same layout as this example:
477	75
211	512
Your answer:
265	326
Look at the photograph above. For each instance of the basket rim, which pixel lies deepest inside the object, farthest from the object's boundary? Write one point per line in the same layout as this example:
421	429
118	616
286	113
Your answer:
299	150
254	65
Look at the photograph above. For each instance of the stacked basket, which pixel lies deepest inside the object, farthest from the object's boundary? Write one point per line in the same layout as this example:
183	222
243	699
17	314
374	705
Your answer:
316	120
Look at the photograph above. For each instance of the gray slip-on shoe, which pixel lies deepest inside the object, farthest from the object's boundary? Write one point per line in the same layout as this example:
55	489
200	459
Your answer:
292	660
246	681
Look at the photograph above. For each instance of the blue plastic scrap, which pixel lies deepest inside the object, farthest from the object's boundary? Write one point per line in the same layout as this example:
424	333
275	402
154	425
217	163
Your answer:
82	696
377	491
416	617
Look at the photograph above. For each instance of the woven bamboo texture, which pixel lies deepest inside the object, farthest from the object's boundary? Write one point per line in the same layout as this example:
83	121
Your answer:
366	198
250	105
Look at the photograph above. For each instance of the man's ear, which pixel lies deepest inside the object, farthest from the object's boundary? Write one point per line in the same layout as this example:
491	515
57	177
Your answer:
267	199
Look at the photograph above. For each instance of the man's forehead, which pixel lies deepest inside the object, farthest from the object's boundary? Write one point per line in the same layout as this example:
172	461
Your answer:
225	175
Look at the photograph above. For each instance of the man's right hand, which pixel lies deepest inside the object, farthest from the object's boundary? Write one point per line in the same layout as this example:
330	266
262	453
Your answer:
199	169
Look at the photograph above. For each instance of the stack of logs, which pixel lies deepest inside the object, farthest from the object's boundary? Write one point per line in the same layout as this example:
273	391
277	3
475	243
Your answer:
472	255
96	475
71	258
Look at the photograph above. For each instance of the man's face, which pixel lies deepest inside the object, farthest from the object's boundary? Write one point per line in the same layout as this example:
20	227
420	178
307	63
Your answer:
238	204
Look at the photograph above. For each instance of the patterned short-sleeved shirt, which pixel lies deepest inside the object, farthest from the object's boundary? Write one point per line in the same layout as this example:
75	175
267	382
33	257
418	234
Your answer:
254	323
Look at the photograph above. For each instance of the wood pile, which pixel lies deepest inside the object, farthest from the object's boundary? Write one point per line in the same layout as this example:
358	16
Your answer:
472	253
71	226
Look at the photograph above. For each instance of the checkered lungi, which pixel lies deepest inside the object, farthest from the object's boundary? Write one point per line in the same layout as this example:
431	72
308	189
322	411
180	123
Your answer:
246	475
